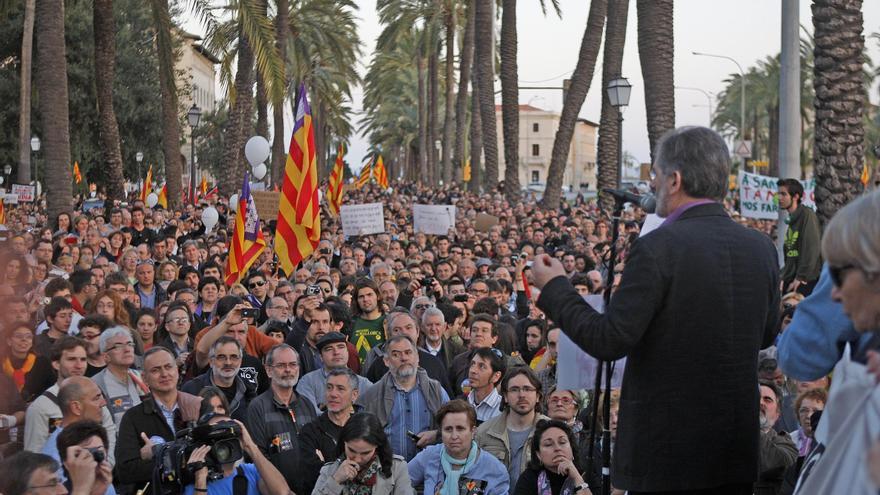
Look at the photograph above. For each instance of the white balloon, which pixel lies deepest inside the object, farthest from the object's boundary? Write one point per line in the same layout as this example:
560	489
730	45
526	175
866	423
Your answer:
152	199
209	218
256	150
260	171
233	202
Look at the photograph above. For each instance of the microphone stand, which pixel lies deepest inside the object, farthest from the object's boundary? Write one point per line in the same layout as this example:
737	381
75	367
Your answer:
608	367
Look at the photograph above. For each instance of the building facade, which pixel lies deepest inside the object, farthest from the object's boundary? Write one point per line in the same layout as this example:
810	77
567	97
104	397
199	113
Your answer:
196	84
537	131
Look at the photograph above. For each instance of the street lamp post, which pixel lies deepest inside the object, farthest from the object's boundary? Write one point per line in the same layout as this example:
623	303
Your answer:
742	96
139	157
708	98
7	171
618	95
35	148
193	116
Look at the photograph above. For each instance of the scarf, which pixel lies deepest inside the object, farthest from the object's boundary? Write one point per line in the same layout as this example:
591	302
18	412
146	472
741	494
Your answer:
18	374
544	485
450	484
362	484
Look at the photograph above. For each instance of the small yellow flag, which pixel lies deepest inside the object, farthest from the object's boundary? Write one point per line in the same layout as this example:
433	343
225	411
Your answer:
466	172
866	175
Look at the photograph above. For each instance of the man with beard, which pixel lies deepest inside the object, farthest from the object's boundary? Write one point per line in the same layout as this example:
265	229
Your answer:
367	331
778	450
275	418
405	399
334	353
226	355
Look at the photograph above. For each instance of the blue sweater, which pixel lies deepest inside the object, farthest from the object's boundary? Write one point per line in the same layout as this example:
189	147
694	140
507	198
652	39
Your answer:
426	469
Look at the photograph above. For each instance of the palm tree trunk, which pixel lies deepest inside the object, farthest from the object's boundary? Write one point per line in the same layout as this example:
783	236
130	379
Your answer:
840	101
24	123
105	70
574	99
609	124
423	118
262	128
485	88
449	101
510	100
433	94
773	144
464	78
476	183
51	83
656	50
168	87
240	119
279	157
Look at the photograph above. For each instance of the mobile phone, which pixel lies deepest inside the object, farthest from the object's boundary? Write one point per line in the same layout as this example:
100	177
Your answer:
460	298
313	290
250	312
412	436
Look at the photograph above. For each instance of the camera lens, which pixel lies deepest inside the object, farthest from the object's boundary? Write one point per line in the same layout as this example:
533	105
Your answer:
222	452
97	454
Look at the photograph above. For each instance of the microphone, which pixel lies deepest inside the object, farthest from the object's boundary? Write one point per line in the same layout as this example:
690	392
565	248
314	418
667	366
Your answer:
646	202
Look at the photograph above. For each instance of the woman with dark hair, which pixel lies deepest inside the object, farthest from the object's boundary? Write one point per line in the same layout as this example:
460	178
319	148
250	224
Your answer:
552	468
63	225
365	464
534	341
213	402
145	322
116	245
16	273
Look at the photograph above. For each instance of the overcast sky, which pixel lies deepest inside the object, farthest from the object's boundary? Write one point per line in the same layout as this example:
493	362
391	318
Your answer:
746	30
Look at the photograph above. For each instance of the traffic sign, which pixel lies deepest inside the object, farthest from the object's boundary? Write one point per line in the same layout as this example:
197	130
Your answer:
743	149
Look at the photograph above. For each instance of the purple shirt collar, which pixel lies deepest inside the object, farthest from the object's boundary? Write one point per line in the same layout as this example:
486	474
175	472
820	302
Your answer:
683	208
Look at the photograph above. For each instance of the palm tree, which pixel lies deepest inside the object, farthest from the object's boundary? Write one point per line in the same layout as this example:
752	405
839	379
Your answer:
282	28
105	70
609	124
240	120
476	135
449	15
24	126
170	116
656	50
485	88
464	79
840	98
51	81
574	99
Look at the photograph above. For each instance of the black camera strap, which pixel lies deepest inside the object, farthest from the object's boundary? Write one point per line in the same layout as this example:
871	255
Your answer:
240	482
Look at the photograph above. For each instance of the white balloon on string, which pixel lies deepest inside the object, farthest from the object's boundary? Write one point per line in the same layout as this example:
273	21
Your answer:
256	150
152	199
233	202
260	171
209	218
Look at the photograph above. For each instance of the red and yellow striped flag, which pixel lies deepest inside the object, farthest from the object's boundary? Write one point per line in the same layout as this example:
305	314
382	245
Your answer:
203	187
364	178
163	197
380	173
2	212
299	214
334	187
866	175
148	185
247	242
77	176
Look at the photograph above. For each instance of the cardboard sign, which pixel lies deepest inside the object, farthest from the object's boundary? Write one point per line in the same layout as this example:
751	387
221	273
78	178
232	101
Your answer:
267	204
25	192
484	221
433	219
757	195
362	219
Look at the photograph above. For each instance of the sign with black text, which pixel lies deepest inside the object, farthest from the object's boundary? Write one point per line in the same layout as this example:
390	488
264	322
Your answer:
362	219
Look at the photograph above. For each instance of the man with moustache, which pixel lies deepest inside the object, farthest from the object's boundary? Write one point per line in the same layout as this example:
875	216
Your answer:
226	355
334	353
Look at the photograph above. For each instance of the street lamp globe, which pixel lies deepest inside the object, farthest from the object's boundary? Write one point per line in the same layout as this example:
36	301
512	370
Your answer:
35	144
139	156
618	91
194	115
7	169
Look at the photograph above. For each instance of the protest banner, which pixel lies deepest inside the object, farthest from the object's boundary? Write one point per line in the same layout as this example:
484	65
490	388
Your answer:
484	221
433	219
575	369
362	219
25	192
757	195
267	204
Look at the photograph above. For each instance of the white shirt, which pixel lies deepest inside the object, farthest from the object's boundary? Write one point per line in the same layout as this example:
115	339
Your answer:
488	408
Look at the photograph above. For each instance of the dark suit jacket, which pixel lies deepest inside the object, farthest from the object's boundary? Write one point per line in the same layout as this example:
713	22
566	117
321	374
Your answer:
698	299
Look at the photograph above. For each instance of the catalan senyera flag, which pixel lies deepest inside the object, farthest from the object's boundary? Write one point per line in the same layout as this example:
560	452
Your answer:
247	242
380	173
203	187
2	212
148	184
866	175
299	214
364	178
163	197
334	187
77	176
466	171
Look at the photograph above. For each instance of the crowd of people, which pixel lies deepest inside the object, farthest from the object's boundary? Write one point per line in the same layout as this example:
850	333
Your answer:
398	362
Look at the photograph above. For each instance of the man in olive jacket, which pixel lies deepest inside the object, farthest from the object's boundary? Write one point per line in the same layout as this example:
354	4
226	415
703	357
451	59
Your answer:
698	299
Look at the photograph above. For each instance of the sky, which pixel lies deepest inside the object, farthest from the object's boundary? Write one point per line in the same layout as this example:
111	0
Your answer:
745	30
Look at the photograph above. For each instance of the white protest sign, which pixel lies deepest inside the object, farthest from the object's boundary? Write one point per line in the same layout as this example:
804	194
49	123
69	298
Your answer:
10	199
25	192
575	369
757	195
433	219
362	219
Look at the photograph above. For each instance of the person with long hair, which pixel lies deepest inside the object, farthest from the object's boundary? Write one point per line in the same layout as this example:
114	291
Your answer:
365	464
63	225
108	304
116	246
553	468
145	322
128	262
16	273
458	462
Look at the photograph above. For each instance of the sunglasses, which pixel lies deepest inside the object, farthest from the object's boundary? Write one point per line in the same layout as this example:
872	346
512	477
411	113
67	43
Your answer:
254	285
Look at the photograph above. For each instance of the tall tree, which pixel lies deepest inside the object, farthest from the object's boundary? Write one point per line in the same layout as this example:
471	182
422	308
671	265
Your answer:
485	87
656	50
433	96
476	135
574	100
609	124
168	86
282	28
240	119
449	101
423	118
105	71
51	82
24	125
840	98
464	79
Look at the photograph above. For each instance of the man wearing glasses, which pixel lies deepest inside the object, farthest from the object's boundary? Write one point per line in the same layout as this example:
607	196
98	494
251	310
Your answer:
226	357
121	385
27	472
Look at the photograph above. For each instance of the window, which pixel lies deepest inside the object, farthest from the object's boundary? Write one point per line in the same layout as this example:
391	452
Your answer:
536	150
535	127
536	175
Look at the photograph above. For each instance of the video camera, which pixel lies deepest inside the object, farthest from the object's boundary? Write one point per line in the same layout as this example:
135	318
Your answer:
172	471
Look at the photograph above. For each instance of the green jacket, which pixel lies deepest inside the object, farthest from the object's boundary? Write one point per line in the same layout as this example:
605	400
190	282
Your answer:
803	239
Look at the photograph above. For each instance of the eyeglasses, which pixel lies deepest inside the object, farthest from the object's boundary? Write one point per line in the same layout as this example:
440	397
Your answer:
179	321
522	390
52	484
565	401
121	345
224	358
424	306
285	366
254	285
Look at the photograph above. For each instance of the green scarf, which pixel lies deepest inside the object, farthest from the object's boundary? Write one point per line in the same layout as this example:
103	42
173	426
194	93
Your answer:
362	484
450	484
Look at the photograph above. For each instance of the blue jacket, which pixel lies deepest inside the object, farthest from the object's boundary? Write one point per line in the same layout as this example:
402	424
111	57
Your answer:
426	470
813	342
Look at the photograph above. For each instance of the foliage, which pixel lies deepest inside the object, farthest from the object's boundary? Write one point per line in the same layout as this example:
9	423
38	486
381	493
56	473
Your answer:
209	138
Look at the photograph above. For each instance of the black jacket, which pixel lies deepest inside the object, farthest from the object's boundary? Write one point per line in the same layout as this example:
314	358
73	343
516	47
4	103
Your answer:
245	392
428	362
698	299
318	436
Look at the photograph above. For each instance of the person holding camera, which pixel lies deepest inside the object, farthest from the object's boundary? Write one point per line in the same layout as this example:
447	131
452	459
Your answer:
261	476
84	444
27	472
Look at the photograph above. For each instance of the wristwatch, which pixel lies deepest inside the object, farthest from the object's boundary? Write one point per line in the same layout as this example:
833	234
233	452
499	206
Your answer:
581	487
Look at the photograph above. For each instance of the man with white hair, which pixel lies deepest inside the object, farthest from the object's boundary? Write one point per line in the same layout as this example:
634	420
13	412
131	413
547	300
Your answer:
121	385
380	272
436	343
225	357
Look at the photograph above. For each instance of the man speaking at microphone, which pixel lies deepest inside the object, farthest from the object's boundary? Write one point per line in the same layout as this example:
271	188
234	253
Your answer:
698	299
